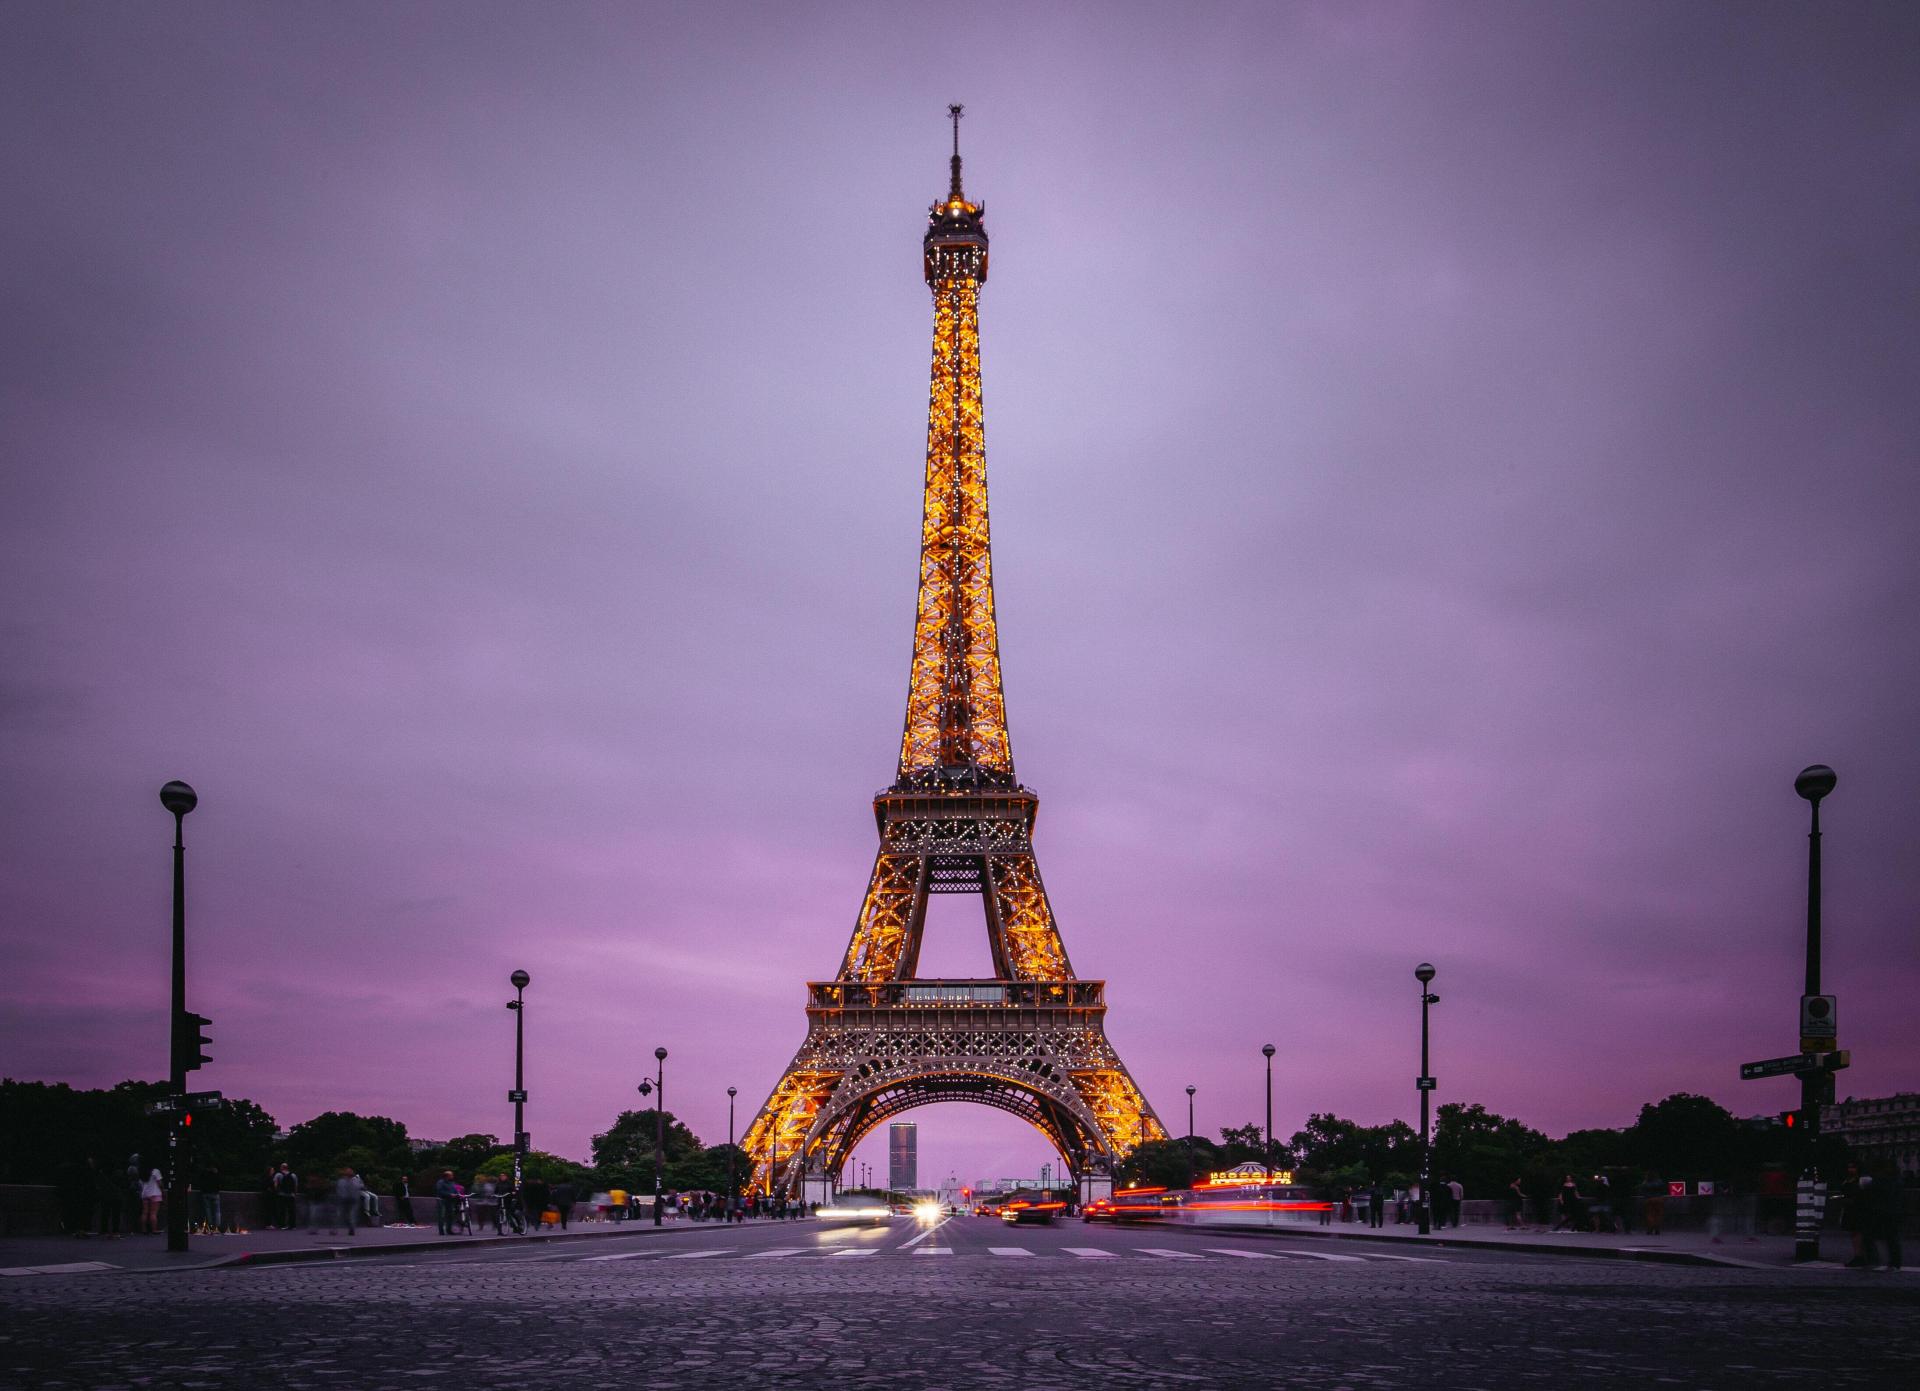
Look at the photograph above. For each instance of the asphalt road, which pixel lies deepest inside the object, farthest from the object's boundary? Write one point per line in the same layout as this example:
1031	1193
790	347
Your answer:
968	1303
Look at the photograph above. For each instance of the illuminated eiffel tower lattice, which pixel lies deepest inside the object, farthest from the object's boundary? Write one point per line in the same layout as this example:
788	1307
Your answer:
880	1039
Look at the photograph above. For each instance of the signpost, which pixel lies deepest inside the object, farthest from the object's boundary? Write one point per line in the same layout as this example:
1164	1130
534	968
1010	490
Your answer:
1424	1084
192	1101
1777	1067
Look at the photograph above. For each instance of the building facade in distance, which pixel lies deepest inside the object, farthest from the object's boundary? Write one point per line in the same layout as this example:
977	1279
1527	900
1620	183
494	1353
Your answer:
903	1156
1879	1130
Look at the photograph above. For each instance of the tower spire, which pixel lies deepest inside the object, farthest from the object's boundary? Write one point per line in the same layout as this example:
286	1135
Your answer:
954	113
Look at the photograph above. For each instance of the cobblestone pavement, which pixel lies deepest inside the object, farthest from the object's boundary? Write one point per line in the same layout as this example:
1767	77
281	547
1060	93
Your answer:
971	1303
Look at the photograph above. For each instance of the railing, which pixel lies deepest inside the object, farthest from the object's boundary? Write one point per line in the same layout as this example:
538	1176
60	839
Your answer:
957	994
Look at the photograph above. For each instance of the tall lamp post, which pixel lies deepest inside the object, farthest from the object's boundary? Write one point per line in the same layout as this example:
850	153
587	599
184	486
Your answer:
1190	1172
1267	1155
732	1092
1816	1085
518	1096
1424	973
179	799
659	1126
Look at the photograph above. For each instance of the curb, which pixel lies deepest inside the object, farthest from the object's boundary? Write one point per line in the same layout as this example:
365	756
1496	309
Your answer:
339	1253
1558	1248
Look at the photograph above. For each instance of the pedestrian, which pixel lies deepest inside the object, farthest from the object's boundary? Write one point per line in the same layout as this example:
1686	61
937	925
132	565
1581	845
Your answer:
1853	1203
486	1201
1516	1205
108	1201
563	1199
1568	1206
1456	1199
448	1194
1377	1204
1601	1209
1881	1220
206	1193
152	1189
538	1195
284	1188
1653	1203
402	1202
347	1191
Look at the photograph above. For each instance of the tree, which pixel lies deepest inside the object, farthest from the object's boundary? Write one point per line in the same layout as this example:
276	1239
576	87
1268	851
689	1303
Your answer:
548	1168
1159	1164
335	1138
1688	1136
466	1155
623	1155
1482	1150
1329	1145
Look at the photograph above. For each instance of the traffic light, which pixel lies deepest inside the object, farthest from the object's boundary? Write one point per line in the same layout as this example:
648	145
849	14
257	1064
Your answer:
189	1040
1790	1119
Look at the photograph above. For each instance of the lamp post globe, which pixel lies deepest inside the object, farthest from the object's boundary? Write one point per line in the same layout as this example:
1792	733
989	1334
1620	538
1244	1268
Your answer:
520	980
1424	972
178	798
1813	783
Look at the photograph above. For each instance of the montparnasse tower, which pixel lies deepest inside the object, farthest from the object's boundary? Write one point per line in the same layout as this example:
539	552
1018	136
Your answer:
881	1039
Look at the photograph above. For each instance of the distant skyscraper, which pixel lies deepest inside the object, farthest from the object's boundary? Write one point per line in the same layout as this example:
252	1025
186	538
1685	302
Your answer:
903	1156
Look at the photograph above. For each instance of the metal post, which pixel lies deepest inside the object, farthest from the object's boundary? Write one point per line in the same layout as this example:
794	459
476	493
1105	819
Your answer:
1190	1170
519	981
731	1093
179	799
1424	973
1813	783
1267	1156
659	1126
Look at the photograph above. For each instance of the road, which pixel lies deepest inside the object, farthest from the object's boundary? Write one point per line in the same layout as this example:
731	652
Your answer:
968	1303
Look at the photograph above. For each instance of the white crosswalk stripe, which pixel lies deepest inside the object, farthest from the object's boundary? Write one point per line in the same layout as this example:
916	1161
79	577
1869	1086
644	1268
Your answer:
776	1251
695	1255
1010	1250
636	1255
1245	1255
933	1251
1323	1256
1089	1252
841	1255
1420	1260
1165	1254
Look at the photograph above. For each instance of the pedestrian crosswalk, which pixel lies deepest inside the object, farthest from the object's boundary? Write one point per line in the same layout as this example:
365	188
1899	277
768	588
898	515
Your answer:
1282	1255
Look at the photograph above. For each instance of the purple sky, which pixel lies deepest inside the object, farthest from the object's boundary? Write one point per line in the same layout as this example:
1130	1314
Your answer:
1451	468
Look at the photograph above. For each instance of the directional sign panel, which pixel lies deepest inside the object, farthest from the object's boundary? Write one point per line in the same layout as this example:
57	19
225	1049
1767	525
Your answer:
1777	1067
1424	1084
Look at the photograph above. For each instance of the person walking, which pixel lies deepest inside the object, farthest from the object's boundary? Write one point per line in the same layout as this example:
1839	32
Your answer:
448	1194
1377	1204
347	1189
1653	1204
152	1189
284	1189
539	1197
1516	1205
563	1200
1456	1200
206	1194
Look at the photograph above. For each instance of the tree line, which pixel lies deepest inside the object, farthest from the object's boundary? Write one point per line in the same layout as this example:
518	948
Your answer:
48	1130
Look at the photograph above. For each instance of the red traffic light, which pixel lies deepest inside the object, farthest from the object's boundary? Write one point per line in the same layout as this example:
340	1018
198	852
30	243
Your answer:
1790	1119
186	1118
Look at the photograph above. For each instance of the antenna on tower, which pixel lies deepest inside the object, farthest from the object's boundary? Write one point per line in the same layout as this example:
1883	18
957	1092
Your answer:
954	113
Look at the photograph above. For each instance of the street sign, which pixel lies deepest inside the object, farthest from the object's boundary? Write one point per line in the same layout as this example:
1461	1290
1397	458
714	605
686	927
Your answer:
1817	1044
517	1094
1818	1017
1777	1067
1676	1188
524	1140
192	1101
1704	1188
1424	1084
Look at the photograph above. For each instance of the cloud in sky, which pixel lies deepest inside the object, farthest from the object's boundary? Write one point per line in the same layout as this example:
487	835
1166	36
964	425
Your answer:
1451	468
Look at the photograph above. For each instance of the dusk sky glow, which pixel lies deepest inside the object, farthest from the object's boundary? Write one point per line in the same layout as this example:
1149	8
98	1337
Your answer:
1451	466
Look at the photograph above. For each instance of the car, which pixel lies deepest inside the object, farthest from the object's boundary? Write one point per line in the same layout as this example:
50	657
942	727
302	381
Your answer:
856	1212
1099	1210
1023	1213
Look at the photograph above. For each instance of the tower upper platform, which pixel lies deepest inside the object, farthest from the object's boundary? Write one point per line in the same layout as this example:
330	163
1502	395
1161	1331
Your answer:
955	246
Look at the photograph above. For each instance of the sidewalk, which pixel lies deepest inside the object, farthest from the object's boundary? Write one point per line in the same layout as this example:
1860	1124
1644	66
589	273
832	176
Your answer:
64	1255
1677	1248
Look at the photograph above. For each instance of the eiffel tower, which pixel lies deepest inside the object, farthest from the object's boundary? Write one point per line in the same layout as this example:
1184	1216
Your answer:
880	1039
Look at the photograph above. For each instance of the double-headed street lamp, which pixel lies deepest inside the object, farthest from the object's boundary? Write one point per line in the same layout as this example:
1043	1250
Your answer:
1424	973
518	1096
659	1126
1267	1154
185	1037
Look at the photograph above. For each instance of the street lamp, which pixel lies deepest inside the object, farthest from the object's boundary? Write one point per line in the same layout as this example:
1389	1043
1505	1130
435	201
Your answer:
1190	1091
732	1092
1268	1051
1816	1085
179	799
518	1096
659	1126
1424	973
